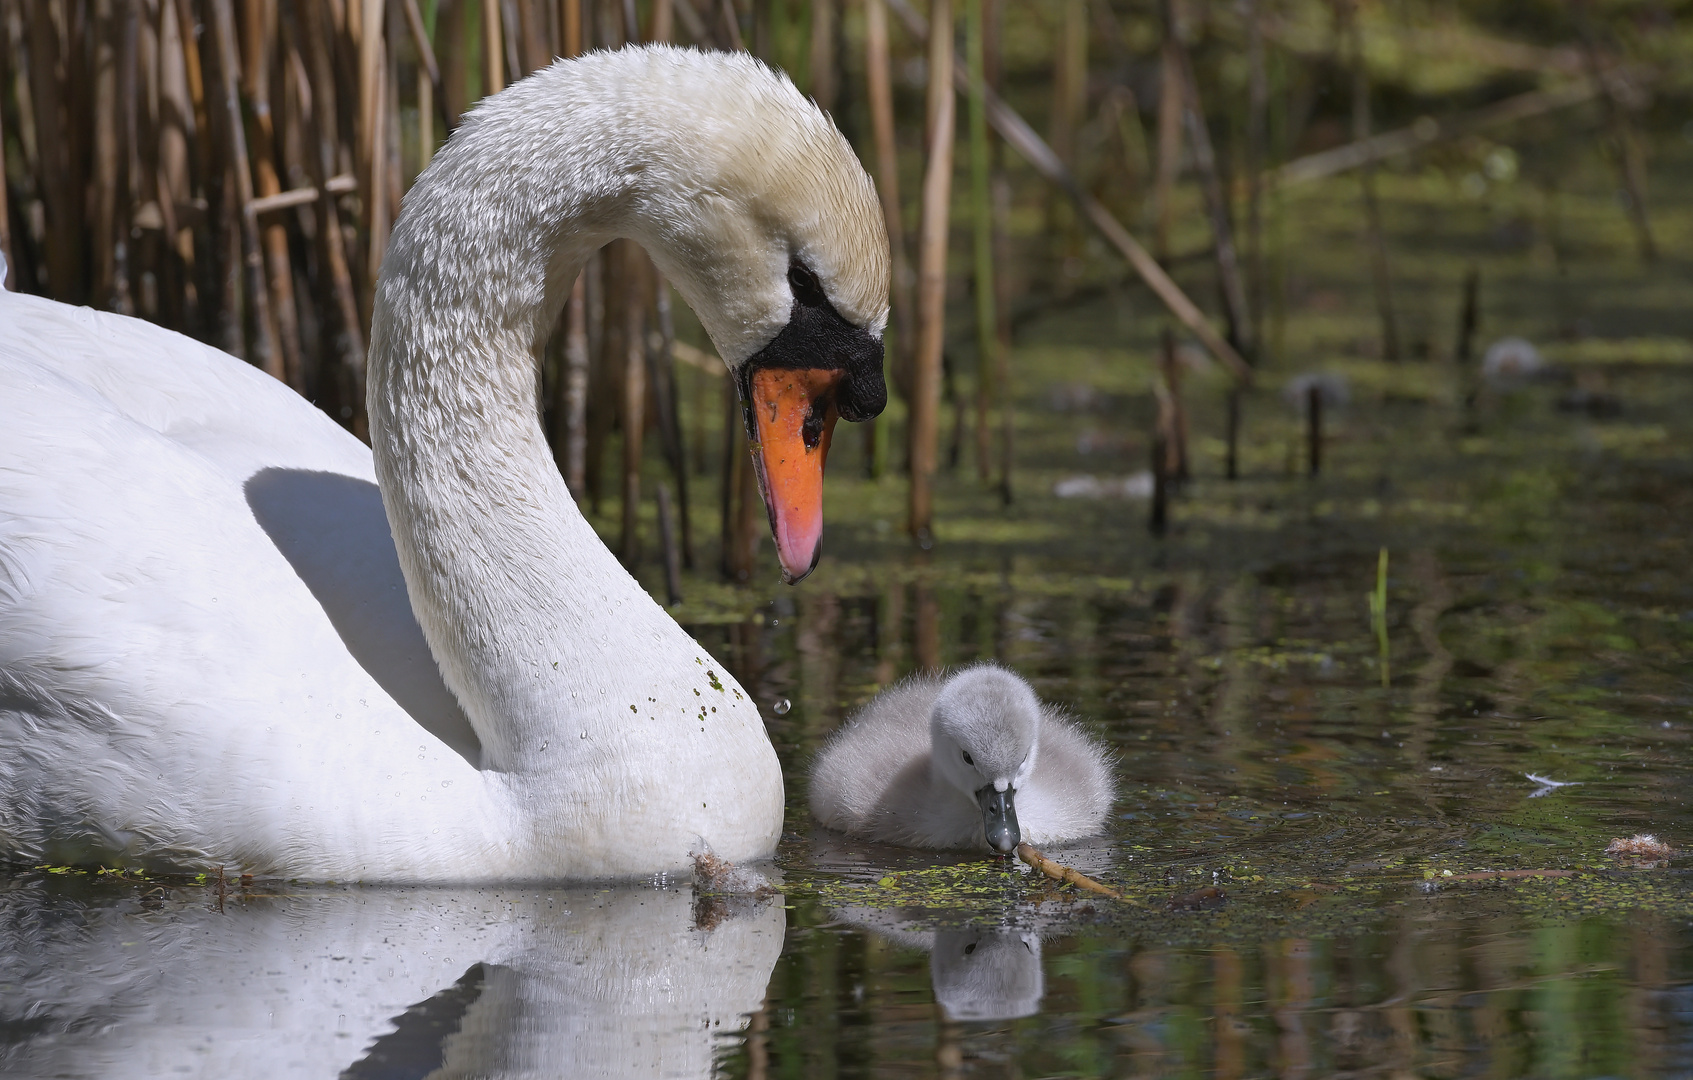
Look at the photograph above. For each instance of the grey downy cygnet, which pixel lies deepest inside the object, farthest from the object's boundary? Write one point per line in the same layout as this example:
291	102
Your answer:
959	761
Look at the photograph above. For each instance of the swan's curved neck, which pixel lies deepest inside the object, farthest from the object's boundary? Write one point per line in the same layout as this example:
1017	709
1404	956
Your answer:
539	631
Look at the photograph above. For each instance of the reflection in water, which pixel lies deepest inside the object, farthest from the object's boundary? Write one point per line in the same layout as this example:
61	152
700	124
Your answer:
982	974
978	972
1442	990
371	983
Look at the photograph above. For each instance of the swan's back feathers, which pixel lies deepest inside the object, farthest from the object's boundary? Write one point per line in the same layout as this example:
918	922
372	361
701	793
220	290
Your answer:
168	685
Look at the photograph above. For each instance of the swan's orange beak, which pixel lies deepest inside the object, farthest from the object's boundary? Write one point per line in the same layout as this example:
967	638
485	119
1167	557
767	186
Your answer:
793	415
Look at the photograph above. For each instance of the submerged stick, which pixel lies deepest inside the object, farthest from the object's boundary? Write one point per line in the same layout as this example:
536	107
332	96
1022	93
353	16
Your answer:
1061	873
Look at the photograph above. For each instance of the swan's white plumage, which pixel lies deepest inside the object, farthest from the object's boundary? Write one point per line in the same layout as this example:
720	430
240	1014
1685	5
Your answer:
878	777
190	676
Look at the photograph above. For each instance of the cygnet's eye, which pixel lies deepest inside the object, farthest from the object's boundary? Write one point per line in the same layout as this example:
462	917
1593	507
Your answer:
968	760
807	289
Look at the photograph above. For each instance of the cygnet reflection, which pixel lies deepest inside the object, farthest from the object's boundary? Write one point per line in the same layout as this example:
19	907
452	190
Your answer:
379	983
978	972
987	974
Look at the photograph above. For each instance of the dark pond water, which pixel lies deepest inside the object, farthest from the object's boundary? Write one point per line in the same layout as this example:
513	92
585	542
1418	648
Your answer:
1539	619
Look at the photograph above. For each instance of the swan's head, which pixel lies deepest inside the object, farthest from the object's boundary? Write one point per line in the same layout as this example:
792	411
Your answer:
765	221
743	192
985	728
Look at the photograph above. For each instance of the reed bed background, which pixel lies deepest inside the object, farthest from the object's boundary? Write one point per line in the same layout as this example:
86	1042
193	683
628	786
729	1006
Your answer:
231	169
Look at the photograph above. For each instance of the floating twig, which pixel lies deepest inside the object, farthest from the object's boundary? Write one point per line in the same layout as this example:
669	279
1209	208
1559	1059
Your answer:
1061	873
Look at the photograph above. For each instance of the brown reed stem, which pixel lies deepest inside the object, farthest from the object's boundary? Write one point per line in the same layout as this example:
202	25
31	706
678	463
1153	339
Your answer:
667	539
879	91
931	275
256	293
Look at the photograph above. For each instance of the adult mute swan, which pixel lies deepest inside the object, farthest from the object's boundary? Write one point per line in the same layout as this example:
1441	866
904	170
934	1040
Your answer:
961	760
208	655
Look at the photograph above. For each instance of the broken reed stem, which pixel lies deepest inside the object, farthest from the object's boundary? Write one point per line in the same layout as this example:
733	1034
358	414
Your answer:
1175	430
1314	428
1068	876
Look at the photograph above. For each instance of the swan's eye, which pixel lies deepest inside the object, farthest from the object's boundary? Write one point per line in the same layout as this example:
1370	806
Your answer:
970	948
968	760
807	289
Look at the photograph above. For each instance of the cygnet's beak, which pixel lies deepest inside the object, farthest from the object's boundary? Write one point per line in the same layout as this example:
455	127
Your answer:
999	818
791	415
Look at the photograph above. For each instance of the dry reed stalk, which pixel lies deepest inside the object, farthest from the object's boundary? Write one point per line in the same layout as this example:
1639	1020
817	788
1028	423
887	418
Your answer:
570	26
1169	131
931	274
8	278
1314	429
981	217
307	22
108	173
742	506
597	282
571	441
1059	872
879	91
636	276
1241	334
1017	132
825	86
1630	159
532	41
256	293
1069	108
731	26
1346	15
1469	319
661	26
493	40
1175	461
1257	107
60	178
667	540
999	185
256	65
661	361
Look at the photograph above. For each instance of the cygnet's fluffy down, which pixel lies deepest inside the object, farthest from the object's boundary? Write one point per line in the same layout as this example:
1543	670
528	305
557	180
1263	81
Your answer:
969	759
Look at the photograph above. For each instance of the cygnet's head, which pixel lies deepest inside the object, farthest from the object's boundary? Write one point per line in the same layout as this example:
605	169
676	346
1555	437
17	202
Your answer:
985	729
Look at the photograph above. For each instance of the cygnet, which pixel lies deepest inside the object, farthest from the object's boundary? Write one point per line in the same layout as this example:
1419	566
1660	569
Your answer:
962	760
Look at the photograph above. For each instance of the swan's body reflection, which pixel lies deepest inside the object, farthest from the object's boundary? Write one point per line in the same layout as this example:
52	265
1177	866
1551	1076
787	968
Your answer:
390	983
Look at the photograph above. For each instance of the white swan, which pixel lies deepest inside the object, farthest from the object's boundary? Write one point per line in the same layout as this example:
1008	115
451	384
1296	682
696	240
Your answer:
207	654
962	760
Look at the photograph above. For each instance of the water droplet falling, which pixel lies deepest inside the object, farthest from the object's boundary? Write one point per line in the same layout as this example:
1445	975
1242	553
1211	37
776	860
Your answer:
782	706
